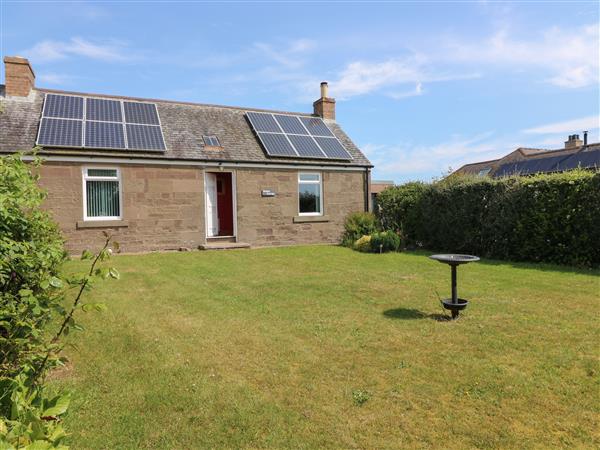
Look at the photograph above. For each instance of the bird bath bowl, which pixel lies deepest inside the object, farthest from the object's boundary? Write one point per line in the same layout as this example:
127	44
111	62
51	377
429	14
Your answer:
454	304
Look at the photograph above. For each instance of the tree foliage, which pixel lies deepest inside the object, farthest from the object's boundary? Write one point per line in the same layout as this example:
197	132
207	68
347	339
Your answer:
38	306
547	218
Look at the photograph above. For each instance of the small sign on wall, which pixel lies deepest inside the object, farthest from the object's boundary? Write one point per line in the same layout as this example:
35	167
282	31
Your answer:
267	193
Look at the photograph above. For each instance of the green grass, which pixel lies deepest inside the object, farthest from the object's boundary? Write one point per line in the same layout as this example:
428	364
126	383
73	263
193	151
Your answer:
322	347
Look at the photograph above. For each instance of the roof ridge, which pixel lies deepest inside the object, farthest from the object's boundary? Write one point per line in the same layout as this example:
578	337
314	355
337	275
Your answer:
175	102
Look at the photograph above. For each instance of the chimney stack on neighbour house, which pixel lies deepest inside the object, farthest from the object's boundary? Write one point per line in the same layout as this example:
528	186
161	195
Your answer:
573	141
585	138
325	106
19	76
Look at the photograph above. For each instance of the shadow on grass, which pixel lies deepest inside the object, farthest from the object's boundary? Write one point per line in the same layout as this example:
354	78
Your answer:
407	314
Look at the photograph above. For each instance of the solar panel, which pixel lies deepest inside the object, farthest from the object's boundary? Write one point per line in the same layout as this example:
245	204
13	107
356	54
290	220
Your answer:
63	106
144	137
101	121
296	136
103	109
263	122
142	113
585	160
332	148
316	126
60	132
276	144
104	135
306	146
290	124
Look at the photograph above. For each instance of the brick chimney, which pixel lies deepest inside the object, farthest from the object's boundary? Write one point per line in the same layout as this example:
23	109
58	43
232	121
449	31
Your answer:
573	141
20	78
325	106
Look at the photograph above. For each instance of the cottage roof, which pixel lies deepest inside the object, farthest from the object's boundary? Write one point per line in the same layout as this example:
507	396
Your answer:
183	125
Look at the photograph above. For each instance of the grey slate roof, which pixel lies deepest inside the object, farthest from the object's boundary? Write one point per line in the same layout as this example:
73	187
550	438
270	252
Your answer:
183	125
586	158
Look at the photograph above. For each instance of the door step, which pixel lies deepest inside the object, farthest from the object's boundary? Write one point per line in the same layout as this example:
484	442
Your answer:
223	245
219	239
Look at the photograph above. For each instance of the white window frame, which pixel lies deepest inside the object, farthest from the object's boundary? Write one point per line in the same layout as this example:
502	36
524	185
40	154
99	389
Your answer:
320	183
85	178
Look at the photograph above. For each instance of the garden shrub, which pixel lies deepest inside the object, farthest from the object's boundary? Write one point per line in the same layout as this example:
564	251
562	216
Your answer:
385	241
404	200
550	218
356	225
34	299
363	244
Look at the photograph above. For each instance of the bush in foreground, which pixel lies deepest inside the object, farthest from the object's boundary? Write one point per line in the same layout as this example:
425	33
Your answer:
33	298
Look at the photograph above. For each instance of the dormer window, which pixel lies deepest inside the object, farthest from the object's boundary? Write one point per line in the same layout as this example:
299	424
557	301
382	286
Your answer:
211	141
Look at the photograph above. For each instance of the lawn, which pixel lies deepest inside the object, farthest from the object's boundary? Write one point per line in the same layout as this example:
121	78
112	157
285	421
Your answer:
322	347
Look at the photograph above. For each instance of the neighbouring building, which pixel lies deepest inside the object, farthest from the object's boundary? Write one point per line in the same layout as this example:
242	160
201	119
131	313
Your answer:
163	175
377	186
528	161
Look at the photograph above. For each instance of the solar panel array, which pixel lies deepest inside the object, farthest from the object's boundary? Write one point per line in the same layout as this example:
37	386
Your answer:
296	136
548	164
72	121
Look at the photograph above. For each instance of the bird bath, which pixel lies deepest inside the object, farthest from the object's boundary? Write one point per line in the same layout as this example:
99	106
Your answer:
454	304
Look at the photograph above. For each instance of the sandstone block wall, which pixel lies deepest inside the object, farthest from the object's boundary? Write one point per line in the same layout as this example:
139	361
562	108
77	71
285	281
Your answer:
163	207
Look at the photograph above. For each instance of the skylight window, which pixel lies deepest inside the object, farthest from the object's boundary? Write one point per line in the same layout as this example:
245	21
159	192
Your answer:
211	141
484	172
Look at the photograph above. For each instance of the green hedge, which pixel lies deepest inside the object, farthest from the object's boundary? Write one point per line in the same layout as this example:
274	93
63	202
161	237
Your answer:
552	218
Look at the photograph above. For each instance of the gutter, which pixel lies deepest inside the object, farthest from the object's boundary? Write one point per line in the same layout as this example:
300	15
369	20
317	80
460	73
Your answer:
191	162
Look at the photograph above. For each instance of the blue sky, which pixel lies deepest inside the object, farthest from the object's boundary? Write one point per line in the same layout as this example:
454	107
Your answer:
420	86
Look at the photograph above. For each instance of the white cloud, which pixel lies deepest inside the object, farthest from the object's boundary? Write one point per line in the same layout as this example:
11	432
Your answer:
54	78
291	56
418	90
364	77
406	160
569	57
48	50
568	126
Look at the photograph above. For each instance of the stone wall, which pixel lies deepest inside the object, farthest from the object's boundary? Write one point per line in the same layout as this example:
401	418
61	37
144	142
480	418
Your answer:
266	221
163	207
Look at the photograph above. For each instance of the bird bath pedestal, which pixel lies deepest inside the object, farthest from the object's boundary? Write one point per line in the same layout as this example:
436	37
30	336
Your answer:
454	304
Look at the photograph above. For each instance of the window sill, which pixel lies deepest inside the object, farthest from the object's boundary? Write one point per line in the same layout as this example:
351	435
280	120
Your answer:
102	224
310	219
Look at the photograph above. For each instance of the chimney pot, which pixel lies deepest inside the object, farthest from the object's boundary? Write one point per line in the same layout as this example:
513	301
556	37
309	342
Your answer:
573	141
324	89
19	76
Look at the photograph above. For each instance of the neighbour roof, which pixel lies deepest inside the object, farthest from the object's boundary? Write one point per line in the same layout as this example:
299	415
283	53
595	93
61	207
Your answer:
588	158
534	160
183	125
378	186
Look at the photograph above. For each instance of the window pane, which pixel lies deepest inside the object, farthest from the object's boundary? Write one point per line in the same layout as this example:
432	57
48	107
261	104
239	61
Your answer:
310	198
309	177
211	141
102	173
102	198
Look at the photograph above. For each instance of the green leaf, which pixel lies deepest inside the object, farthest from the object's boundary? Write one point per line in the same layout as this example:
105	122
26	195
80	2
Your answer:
56	282
86	255
39	445
114	273
57	406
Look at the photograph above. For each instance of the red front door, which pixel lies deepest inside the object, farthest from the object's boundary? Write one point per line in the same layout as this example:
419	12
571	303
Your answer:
225	203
